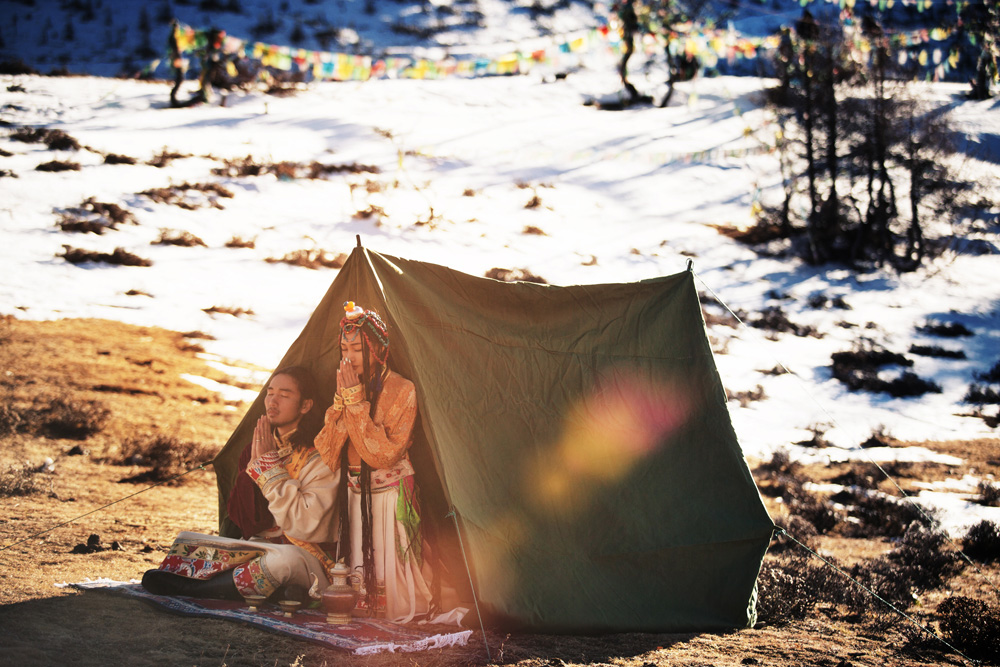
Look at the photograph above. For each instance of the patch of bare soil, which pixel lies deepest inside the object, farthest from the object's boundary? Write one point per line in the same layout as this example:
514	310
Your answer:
88	394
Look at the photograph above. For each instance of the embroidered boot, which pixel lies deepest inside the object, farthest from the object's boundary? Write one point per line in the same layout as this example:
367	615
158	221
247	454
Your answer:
219	587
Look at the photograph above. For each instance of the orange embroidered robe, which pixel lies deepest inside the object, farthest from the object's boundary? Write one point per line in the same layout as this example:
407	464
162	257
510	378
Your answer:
383	441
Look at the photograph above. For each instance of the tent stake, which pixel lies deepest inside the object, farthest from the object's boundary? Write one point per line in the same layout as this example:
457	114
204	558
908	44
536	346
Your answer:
475	598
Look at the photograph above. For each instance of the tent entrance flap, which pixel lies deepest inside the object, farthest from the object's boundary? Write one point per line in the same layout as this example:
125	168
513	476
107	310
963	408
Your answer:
581	433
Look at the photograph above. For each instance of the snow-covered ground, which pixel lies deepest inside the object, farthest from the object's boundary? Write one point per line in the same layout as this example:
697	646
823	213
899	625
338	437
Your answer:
621	196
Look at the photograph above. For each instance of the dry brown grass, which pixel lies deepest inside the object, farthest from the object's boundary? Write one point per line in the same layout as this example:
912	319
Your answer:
190	196
514	275
235	311
120	257
240	242
311	259
58	165
181	238
165	157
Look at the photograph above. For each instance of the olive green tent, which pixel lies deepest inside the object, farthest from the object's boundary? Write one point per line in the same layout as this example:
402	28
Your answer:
578	437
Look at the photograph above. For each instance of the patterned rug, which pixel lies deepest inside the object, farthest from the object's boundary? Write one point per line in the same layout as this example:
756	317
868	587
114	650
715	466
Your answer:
363	636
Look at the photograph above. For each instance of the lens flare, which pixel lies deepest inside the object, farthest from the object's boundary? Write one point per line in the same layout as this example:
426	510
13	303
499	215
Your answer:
613	428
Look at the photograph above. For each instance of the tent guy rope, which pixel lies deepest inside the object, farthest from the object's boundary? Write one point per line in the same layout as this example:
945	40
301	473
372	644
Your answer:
200	466
475	598
878	597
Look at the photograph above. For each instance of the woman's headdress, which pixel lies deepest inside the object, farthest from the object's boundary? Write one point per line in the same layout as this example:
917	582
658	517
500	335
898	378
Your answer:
368	324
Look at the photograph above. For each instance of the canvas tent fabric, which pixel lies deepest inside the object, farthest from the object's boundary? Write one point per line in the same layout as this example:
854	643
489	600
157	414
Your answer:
580	435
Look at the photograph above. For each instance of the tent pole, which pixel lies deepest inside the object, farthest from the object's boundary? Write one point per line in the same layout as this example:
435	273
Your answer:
358	237
475	598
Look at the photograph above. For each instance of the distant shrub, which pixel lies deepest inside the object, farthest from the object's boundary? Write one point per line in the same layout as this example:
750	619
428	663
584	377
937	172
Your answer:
760	233
982	542
114	158
981	395
909	384
317	169
724	319
94	217
779	463
878	515
821	301
819	514
7	173
795	527
110	211
71	223
789	587
228	310
790	584
10	419
198	334
936	351
178	238
924	558
250	166
58	165
165	456
19	480
165	157
859	369
247	166
240	242
858	475
973	626
992	375
989	494
311	259
180	195
368	186
120	257
15	67
371	211
879	438
774	319
54	417
779	477
745	398
56	140
72	419
945	329
817	440
514	275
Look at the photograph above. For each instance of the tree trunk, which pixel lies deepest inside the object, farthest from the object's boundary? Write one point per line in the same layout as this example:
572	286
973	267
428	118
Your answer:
671	74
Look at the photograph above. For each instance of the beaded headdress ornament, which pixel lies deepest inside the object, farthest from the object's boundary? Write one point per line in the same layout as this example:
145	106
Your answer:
368	324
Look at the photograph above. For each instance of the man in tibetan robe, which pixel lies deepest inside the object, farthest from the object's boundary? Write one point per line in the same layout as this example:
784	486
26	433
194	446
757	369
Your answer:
285	502
366	438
